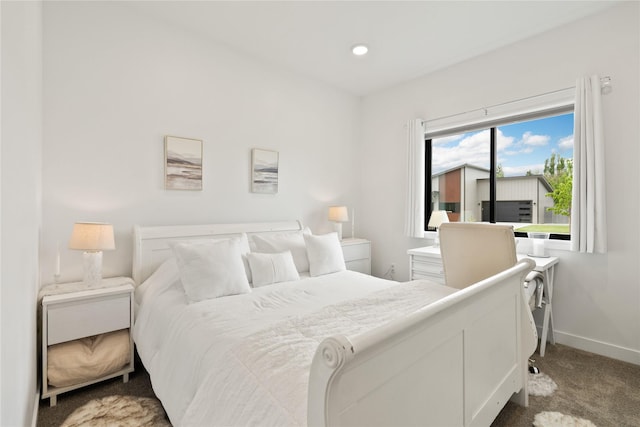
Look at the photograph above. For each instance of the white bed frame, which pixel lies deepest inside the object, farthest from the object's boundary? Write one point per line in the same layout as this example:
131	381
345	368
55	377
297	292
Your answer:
456	362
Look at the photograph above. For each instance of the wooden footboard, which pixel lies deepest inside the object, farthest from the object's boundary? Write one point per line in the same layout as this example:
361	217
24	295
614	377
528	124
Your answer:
454	363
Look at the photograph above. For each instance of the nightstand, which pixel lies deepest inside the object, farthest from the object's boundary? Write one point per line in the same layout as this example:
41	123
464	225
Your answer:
426	263
71	311
357	254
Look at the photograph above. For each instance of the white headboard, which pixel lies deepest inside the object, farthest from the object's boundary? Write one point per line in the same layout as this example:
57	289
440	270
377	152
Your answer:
151	244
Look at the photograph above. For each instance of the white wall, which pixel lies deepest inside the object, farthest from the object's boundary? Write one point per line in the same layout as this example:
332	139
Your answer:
597	297
20	178
116	82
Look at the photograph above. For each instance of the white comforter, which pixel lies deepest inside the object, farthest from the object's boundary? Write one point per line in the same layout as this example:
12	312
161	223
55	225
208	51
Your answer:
244	359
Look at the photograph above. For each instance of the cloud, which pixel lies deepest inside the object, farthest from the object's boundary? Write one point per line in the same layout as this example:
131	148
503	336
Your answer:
566	143
504	142
521	170
472	148
530	139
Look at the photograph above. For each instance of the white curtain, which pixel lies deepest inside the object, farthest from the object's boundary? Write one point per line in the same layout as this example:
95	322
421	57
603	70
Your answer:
414	220
588	216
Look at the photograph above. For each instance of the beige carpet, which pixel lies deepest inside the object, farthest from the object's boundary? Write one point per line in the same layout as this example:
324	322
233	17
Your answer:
591	387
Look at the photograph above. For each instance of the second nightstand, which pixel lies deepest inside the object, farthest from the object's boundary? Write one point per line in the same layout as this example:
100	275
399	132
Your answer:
426	263
71	311
357	254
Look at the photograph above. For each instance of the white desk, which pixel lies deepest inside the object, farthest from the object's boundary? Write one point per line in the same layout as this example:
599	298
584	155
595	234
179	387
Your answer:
426	263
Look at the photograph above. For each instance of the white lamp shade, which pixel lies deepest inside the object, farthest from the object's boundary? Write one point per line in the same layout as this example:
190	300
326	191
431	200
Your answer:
438	218
338	214
92	236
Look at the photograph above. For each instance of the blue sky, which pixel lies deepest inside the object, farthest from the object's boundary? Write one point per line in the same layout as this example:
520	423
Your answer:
521	146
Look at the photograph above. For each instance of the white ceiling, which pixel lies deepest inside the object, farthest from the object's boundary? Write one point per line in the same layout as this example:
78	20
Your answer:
406	39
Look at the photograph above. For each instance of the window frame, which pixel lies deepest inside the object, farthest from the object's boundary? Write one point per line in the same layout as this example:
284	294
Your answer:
490	124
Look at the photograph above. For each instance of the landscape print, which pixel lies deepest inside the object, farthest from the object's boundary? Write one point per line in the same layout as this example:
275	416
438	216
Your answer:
183	163
264	171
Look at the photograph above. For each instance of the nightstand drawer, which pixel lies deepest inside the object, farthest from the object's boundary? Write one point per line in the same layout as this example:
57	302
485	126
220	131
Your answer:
438	278
427	266
426	263
355	252
77	319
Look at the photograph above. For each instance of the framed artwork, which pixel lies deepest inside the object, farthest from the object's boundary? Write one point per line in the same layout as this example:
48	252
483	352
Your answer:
183	163
264	171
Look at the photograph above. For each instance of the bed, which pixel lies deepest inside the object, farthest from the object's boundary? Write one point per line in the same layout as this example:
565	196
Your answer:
326	348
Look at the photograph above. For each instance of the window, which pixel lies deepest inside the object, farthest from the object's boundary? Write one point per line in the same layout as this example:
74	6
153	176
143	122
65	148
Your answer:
514	172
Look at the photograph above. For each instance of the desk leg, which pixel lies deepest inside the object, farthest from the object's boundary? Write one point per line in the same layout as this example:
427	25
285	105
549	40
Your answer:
547	323
552	338
545	328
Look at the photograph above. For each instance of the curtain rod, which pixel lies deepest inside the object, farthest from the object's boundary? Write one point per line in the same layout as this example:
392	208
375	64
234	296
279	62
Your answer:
605	82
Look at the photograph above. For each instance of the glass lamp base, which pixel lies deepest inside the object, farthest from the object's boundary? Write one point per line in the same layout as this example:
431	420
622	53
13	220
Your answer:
92	262
337	227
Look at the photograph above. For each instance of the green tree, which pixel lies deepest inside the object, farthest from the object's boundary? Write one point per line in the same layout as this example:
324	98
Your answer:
561	195
550	165
559	174
499	171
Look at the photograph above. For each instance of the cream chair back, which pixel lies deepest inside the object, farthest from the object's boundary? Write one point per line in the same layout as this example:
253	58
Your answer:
474	251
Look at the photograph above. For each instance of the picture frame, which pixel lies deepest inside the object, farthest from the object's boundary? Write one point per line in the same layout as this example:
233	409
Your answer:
182	163
264	171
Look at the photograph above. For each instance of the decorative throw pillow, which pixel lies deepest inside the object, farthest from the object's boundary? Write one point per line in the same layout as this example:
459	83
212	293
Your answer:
281	242
244	248
325	254
269	268
211	268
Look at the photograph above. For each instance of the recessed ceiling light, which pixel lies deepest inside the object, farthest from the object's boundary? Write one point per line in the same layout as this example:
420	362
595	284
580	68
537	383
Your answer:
360	50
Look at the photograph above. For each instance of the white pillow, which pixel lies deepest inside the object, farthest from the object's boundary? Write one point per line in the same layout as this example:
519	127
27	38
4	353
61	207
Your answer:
281	242
164	276
272	268
325	254
244	248
211	268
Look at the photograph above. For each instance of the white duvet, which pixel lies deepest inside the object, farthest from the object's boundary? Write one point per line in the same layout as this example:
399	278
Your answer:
244	359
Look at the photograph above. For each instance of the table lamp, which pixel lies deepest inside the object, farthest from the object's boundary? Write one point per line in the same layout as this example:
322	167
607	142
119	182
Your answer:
436	219
92	238
338	214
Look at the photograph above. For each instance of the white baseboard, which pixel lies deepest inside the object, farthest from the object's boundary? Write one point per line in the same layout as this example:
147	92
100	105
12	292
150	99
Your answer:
598	347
